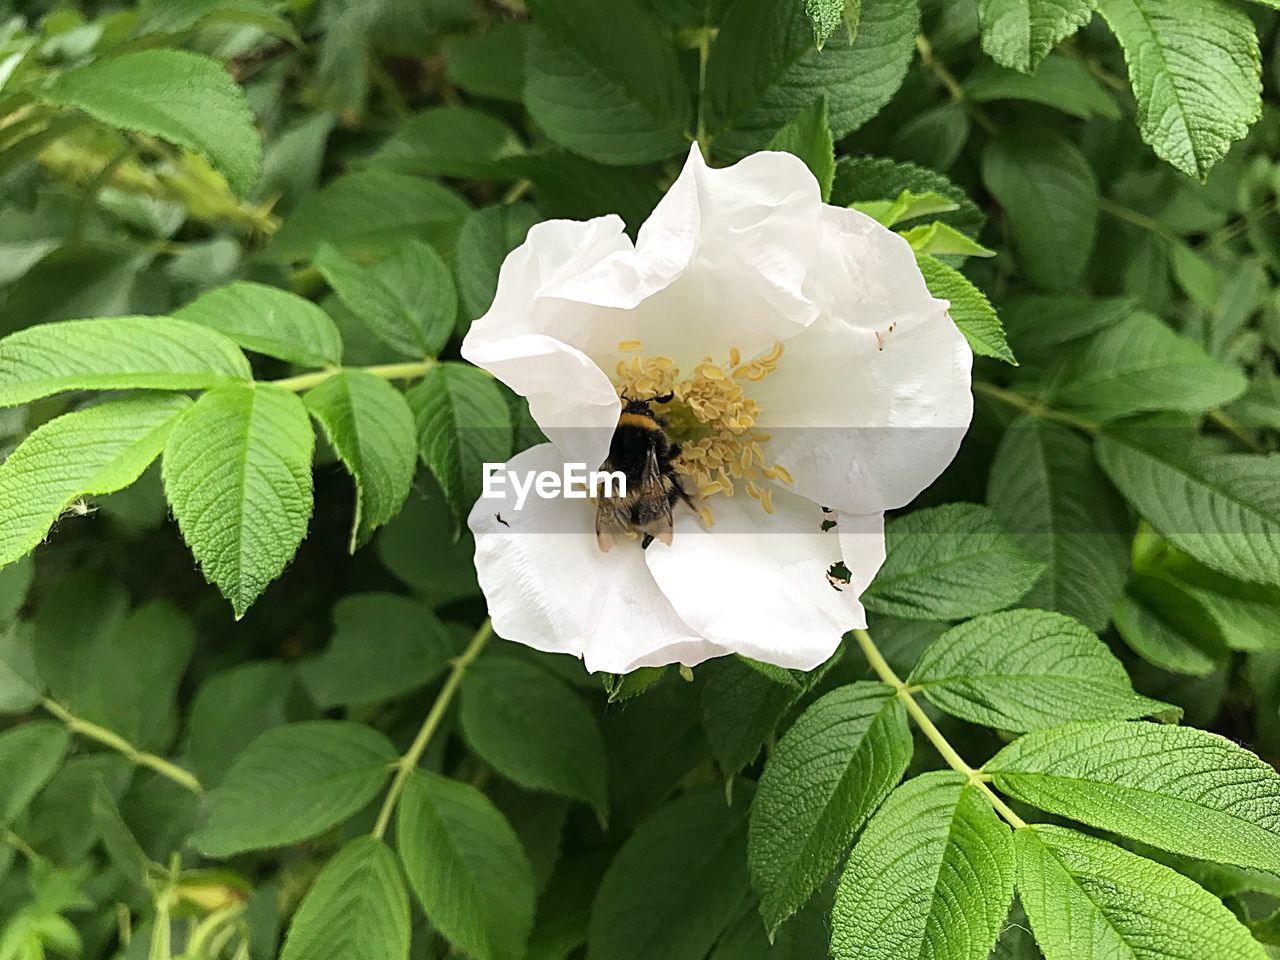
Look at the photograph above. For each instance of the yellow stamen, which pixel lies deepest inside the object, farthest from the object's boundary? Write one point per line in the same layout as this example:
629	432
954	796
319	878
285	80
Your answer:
713	418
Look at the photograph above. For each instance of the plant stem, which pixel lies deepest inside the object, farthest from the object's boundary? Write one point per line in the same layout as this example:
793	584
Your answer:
1236	429
957	763
1121	212
1033	407
108	738
387	371
408	763
24	848
517	190
700	134
953	85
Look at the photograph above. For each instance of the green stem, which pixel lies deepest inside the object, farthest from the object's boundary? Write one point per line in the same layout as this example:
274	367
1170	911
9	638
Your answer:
108	738
1033	407
387	371
1121	212
518	190
953	85
1236	429
700	134
24	848
940	743
408	763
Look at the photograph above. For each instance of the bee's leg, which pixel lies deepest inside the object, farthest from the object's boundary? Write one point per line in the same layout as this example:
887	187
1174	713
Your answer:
648	539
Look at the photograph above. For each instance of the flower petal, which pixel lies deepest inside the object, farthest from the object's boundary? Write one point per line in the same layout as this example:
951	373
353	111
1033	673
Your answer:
549	586
756	583
870	403
721	262
570	398
861	547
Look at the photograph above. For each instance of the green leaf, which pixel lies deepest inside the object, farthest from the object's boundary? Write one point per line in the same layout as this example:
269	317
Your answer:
412	647
370	426
270	321
940	240
237	473
1048	492
463	423
1140	365
490	64
1223	509
486	238
826	776
1060	508
1086	898
15	584
407	299
860	179
604	82
466	867
367	213
970	308
1246	613
531	727
808	137
1059	82
449	141
30	754
569	186
231	708
355	909
183	97
906	206
1176	788
948	563
125	675
75	619
1195	275
175	16
120	353
20	685
827	15
932	876
1169	627
675	885
1049	194
763	69
1196	72
84	453
1028	669
741	707
120	843
292	783
1018	33
1040	324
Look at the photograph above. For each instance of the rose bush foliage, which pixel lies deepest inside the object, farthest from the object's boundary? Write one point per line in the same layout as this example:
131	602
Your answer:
277	278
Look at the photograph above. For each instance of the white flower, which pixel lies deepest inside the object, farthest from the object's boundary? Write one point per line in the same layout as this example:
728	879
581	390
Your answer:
811	369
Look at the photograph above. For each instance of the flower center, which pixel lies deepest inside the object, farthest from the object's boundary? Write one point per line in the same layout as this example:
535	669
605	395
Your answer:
712	417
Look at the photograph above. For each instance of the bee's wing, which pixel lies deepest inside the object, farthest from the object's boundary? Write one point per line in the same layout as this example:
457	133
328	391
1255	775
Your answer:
611	516
653	505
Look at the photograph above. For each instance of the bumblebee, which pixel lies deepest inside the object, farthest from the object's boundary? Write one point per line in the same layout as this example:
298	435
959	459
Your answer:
643	453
